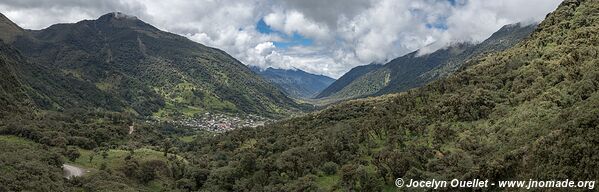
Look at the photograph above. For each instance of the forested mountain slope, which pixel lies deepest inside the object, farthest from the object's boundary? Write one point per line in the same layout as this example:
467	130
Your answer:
151	71
414	70
347	78
529	112
26	86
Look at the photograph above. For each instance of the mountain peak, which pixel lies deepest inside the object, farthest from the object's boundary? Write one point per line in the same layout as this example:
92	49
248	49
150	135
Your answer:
118	15
122	20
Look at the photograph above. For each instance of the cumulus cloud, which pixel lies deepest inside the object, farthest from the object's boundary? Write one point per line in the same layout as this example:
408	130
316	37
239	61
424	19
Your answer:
295	22
343	33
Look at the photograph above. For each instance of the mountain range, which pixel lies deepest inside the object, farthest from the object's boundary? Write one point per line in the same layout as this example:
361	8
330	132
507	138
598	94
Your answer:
143	69
416	69
295	82
513	109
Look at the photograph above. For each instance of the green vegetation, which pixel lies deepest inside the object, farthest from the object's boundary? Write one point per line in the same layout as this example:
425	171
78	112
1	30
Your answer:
115	158
529	112
28	166
188	138
328	182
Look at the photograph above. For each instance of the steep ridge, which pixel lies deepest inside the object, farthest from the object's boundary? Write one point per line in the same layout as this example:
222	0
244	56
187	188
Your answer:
9	30
12	91
154	72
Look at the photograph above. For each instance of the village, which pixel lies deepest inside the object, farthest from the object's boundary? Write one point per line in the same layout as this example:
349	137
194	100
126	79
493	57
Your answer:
218	122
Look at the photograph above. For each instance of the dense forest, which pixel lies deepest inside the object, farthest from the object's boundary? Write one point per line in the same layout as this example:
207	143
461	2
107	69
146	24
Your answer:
530	111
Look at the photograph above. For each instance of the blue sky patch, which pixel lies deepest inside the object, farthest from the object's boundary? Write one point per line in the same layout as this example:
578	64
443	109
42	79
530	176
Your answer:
295	40
452	2
288	40
263	27
437	25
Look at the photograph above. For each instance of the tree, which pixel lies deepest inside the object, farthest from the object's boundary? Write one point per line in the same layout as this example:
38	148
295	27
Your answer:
72	153
166	146
185	184
91	157
306	183
131	167
330	168
356	178
105	154
147	170
103	166
199	176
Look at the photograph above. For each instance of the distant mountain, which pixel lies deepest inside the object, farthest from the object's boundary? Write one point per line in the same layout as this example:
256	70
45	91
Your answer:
414	70
296	83
347	78
151	71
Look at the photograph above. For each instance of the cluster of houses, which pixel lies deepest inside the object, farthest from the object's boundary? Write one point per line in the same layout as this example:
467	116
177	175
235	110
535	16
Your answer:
218	122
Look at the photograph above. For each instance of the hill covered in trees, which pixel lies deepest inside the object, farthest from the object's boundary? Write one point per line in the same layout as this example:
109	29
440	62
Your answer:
27	86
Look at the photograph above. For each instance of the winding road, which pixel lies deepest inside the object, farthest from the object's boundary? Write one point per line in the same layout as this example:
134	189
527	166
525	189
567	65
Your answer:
71	171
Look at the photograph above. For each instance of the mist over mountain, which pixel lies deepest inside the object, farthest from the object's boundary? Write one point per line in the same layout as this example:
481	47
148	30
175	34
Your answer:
416	69
294	82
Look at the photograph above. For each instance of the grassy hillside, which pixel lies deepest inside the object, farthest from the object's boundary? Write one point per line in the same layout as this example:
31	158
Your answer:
530	112
150	70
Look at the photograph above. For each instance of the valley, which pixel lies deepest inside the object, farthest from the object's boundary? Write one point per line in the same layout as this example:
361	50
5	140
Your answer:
116	104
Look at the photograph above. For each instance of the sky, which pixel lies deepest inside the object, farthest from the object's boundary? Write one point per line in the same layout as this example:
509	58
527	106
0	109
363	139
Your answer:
327	37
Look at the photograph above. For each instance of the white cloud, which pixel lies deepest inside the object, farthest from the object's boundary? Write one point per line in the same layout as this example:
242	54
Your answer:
293	21
345	33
